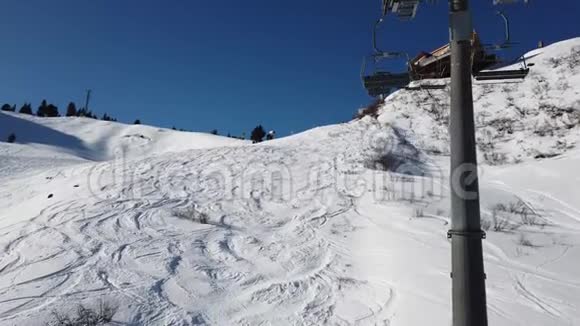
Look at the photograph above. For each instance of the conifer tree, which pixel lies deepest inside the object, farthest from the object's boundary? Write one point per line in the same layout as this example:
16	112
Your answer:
7	107
258	134
26	109
71	110
42	109
52	111
11	138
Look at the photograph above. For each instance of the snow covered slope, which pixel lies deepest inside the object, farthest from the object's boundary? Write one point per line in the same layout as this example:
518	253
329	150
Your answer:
339	225
516	121
45	142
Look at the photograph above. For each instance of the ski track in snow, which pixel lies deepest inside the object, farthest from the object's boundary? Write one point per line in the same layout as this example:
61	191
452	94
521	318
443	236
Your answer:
314	259
258	254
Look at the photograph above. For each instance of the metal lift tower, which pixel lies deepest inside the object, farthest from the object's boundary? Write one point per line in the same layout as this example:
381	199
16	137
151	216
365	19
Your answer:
468	277
467	273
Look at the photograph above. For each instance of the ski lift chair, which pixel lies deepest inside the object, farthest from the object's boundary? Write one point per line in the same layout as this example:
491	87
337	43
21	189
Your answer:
516	74
512	74
383	83
404	9
380	81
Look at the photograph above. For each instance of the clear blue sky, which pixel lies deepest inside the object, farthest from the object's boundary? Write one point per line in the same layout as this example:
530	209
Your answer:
229	65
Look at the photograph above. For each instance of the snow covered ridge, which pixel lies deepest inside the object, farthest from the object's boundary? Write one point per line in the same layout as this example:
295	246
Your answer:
515	121
48	142
96	140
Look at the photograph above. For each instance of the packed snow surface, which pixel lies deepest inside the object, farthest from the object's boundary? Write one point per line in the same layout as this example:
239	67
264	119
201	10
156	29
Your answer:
339	225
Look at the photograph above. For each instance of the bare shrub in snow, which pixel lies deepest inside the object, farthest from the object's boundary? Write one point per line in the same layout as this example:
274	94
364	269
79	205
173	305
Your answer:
500	223
520	209
529	219
545	127
523	241
495	158
511	207
400	164
555	62
574	58
418	213
439	112
486	89
521	111
502	125
563	85
85	316
192	214
516	207
543	155
507	89
433	150
542	86
371	110
556	112
480	120
485	140
485	224
500	207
